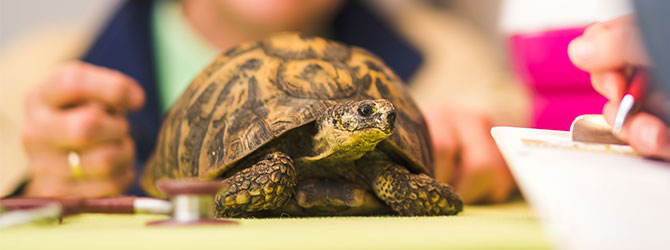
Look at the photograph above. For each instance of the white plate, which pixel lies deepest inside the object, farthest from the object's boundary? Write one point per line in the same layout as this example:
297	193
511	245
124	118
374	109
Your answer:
590	196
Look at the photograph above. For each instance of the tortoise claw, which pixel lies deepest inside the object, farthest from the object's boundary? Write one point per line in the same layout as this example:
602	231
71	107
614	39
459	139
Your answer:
267	185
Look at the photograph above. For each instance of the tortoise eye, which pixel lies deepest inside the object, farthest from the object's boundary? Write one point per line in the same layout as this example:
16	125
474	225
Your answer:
365	110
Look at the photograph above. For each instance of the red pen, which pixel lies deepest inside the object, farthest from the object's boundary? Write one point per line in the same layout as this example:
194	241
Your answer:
25	210
631	99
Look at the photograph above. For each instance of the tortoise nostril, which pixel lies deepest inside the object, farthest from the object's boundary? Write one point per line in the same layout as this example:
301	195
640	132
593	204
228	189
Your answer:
390	117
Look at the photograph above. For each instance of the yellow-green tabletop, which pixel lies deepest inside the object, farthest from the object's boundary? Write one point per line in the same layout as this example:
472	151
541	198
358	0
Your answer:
507	226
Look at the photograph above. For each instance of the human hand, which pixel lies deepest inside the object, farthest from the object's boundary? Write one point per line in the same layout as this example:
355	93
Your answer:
466	155
605	50
81	108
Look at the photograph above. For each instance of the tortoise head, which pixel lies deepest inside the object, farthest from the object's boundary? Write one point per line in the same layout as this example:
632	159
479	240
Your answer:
362	116
353	128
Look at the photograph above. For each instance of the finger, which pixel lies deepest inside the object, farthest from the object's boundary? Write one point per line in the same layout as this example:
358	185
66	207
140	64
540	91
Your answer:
103	162
503	185
445	147
645	132
483	177
444	142
445	160
80	82
440	126
49	186
106	187
472	181
648	135
445	165
46	186
608	45
610	84
474	185
82	127
50	166
609	111
107	161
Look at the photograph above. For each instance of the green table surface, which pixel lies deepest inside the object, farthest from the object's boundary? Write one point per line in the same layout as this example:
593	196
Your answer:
506	226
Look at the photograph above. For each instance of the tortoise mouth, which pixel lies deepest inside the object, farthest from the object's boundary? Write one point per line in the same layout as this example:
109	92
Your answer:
390	122
378	134
390	117
388	130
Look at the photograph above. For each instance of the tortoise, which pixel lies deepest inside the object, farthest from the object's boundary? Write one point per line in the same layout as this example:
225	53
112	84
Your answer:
303	126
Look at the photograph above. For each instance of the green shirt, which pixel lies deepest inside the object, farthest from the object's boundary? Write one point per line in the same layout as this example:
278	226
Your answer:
180	53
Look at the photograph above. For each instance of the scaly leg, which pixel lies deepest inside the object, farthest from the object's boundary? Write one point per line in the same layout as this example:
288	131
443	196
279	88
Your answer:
266	185
413	194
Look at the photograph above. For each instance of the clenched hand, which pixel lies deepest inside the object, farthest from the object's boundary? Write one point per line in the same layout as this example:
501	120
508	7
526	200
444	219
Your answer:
81	108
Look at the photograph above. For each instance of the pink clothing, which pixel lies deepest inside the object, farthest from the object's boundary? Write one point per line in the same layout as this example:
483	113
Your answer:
560	91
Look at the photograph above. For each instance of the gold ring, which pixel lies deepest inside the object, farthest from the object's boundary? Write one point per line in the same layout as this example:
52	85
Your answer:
74	161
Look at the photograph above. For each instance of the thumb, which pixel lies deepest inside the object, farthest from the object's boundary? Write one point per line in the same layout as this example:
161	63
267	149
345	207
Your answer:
609	45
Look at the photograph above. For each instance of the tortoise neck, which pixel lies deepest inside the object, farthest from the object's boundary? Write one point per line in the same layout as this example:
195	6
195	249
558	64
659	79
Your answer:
333	145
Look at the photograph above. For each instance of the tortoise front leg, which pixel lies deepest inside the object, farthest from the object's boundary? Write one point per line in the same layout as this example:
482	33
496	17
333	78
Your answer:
266	185
413	194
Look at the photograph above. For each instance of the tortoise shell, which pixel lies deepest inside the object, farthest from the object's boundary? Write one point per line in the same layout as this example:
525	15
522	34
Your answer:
255	92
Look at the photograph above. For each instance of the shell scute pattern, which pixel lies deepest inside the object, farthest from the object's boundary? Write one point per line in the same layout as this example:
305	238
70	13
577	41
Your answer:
257	91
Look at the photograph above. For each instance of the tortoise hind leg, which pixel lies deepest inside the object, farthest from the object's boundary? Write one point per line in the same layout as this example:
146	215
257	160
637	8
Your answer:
413	194
266	185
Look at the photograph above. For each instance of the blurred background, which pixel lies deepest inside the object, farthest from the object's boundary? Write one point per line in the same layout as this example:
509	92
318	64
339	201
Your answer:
14	21
515	30
18	17
506	59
